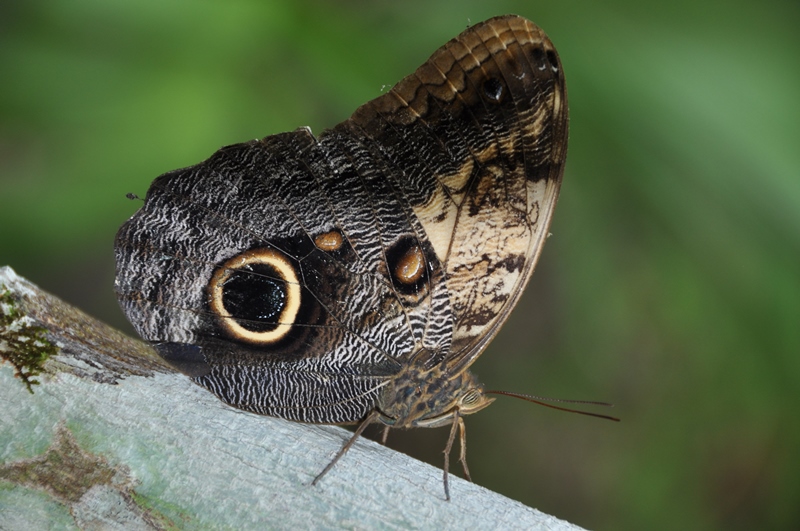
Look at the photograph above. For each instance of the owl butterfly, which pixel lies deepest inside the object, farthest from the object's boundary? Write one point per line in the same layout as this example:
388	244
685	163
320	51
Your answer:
355	276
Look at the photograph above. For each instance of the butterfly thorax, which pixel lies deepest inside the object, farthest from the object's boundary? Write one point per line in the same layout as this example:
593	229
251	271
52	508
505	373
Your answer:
424	397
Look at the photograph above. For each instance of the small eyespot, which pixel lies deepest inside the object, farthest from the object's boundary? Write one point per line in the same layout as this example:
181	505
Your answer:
538	59
329	241
407	267
410	267
493	89
552	58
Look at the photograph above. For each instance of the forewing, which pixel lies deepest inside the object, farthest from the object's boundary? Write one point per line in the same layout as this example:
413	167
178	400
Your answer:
476	141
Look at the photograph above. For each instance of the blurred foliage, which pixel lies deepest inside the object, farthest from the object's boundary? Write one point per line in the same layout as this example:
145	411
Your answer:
671	286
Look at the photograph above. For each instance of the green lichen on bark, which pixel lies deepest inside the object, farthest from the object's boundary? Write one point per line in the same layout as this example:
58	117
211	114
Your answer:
22	344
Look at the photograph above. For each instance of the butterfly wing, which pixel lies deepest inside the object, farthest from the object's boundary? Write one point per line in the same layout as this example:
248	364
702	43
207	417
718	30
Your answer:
479	136
226	269
294	276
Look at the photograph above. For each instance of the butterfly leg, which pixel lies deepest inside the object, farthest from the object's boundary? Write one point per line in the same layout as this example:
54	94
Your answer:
447	448
372	417
463	458
385	435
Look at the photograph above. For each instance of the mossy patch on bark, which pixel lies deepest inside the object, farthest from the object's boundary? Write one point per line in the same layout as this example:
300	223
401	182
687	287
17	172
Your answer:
24	345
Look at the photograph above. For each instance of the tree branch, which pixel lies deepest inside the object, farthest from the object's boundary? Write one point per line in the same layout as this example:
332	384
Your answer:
112	437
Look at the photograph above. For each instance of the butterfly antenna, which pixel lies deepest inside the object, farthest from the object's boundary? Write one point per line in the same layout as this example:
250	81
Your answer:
542	401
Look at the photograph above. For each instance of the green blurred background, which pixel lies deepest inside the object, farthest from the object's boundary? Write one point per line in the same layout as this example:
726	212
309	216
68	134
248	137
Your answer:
671	285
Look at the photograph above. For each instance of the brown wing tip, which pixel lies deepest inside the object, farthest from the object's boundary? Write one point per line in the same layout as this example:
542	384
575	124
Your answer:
472	47
505	29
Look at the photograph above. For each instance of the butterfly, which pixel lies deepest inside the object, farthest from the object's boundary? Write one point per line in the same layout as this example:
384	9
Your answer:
353	277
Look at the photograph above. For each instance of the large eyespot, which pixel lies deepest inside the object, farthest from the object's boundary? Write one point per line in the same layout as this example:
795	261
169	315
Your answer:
256	296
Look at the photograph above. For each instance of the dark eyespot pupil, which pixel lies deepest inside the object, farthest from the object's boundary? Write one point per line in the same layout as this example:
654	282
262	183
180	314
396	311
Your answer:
255	296
553	60
493	89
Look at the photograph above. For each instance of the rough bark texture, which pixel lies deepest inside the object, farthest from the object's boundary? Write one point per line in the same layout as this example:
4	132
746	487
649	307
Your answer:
97	432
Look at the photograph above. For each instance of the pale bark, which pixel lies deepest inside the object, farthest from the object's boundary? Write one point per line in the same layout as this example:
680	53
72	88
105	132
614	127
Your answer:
113	438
